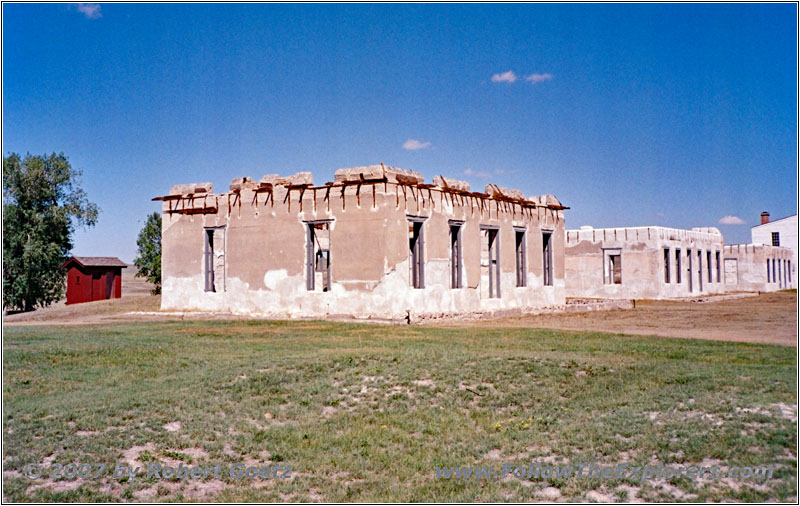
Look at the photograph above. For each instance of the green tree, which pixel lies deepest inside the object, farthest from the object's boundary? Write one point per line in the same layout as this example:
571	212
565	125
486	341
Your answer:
148	261
42	203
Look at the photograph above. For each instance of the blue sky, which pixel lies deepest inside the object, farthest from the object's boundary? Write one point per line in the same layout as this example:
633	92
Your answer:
673	115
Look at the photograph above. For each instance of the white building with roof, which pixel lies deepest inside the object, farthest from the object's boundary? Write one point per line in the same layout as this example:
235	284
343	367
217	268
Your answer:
780	232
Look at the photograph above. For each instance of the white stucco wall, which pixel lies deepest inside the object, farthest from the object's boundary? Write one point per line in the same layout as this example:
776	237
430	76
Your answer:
752	267
787	228
642	254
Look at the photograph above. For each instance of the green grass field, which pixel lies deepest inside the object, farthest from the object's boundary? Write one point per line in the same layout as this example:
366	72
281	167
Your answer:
366	413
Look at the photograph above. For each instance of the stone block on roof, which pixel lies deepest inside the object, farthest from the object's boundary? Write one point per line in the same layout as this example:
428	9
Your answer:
185	189
494	190
551	200
447	182
393	174
242	183
269	178
297	178
294	179
545	200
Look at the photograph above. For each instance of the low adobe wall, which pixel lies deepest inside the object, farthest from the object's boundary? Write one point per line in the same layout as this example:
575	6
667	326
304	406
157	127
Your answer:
642	256
757	267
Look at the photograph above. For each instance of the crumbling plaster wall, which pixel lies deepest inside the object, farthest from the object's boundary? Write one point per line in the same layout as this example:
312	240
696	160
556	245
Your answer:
265	253
642	256
749	271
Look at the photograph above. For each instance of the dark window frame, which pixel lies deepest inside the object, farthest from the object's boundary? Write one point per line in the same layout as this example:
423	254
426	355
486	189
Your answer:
314	256
493	236
774	269
520	255
416	251
547	257
612	266
209	271
700	270
456	254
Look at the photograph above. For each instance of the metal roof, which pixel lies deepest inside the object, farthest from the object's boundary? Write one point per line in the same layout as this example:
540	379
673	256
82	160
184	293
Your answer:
97	262
774	221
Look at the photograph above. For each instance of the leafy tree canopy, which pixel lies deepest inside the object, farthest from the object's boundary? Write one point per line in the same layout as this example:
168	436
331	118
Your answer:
42	204
148	261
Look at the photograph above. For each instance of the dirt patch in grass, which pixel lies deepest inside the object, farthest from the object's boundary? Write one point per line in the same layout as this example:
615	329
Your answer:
88	312
769	318
548	494
132	454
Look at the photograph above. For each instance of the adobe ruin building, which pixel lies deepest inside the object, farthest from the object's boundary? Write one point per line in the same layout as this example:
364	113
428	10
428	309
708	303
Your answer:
377	242
643	262
759	268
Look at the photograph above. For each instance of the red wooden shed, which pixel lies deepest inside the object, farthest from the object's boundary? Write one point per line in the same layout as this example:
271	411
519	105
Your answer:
93	278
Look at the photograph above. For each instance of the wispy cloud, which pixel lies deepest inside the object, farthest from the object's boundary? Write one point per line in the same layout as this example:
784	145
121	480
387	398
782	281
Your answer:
731	220
504	77
482	174
660	215
477	173
502	172
510	77
414	144
538	78
91	11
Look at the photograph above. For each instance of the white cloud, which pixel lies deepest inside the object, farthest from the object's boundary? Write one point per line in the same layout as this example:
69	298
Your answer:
660	215
414	144
505	77
538	78
91	11
477	173
731	220
482	174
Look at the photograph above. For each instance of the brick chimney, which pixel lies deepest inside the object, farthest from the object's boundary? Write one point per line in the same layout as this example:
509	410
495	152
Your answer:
764	217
